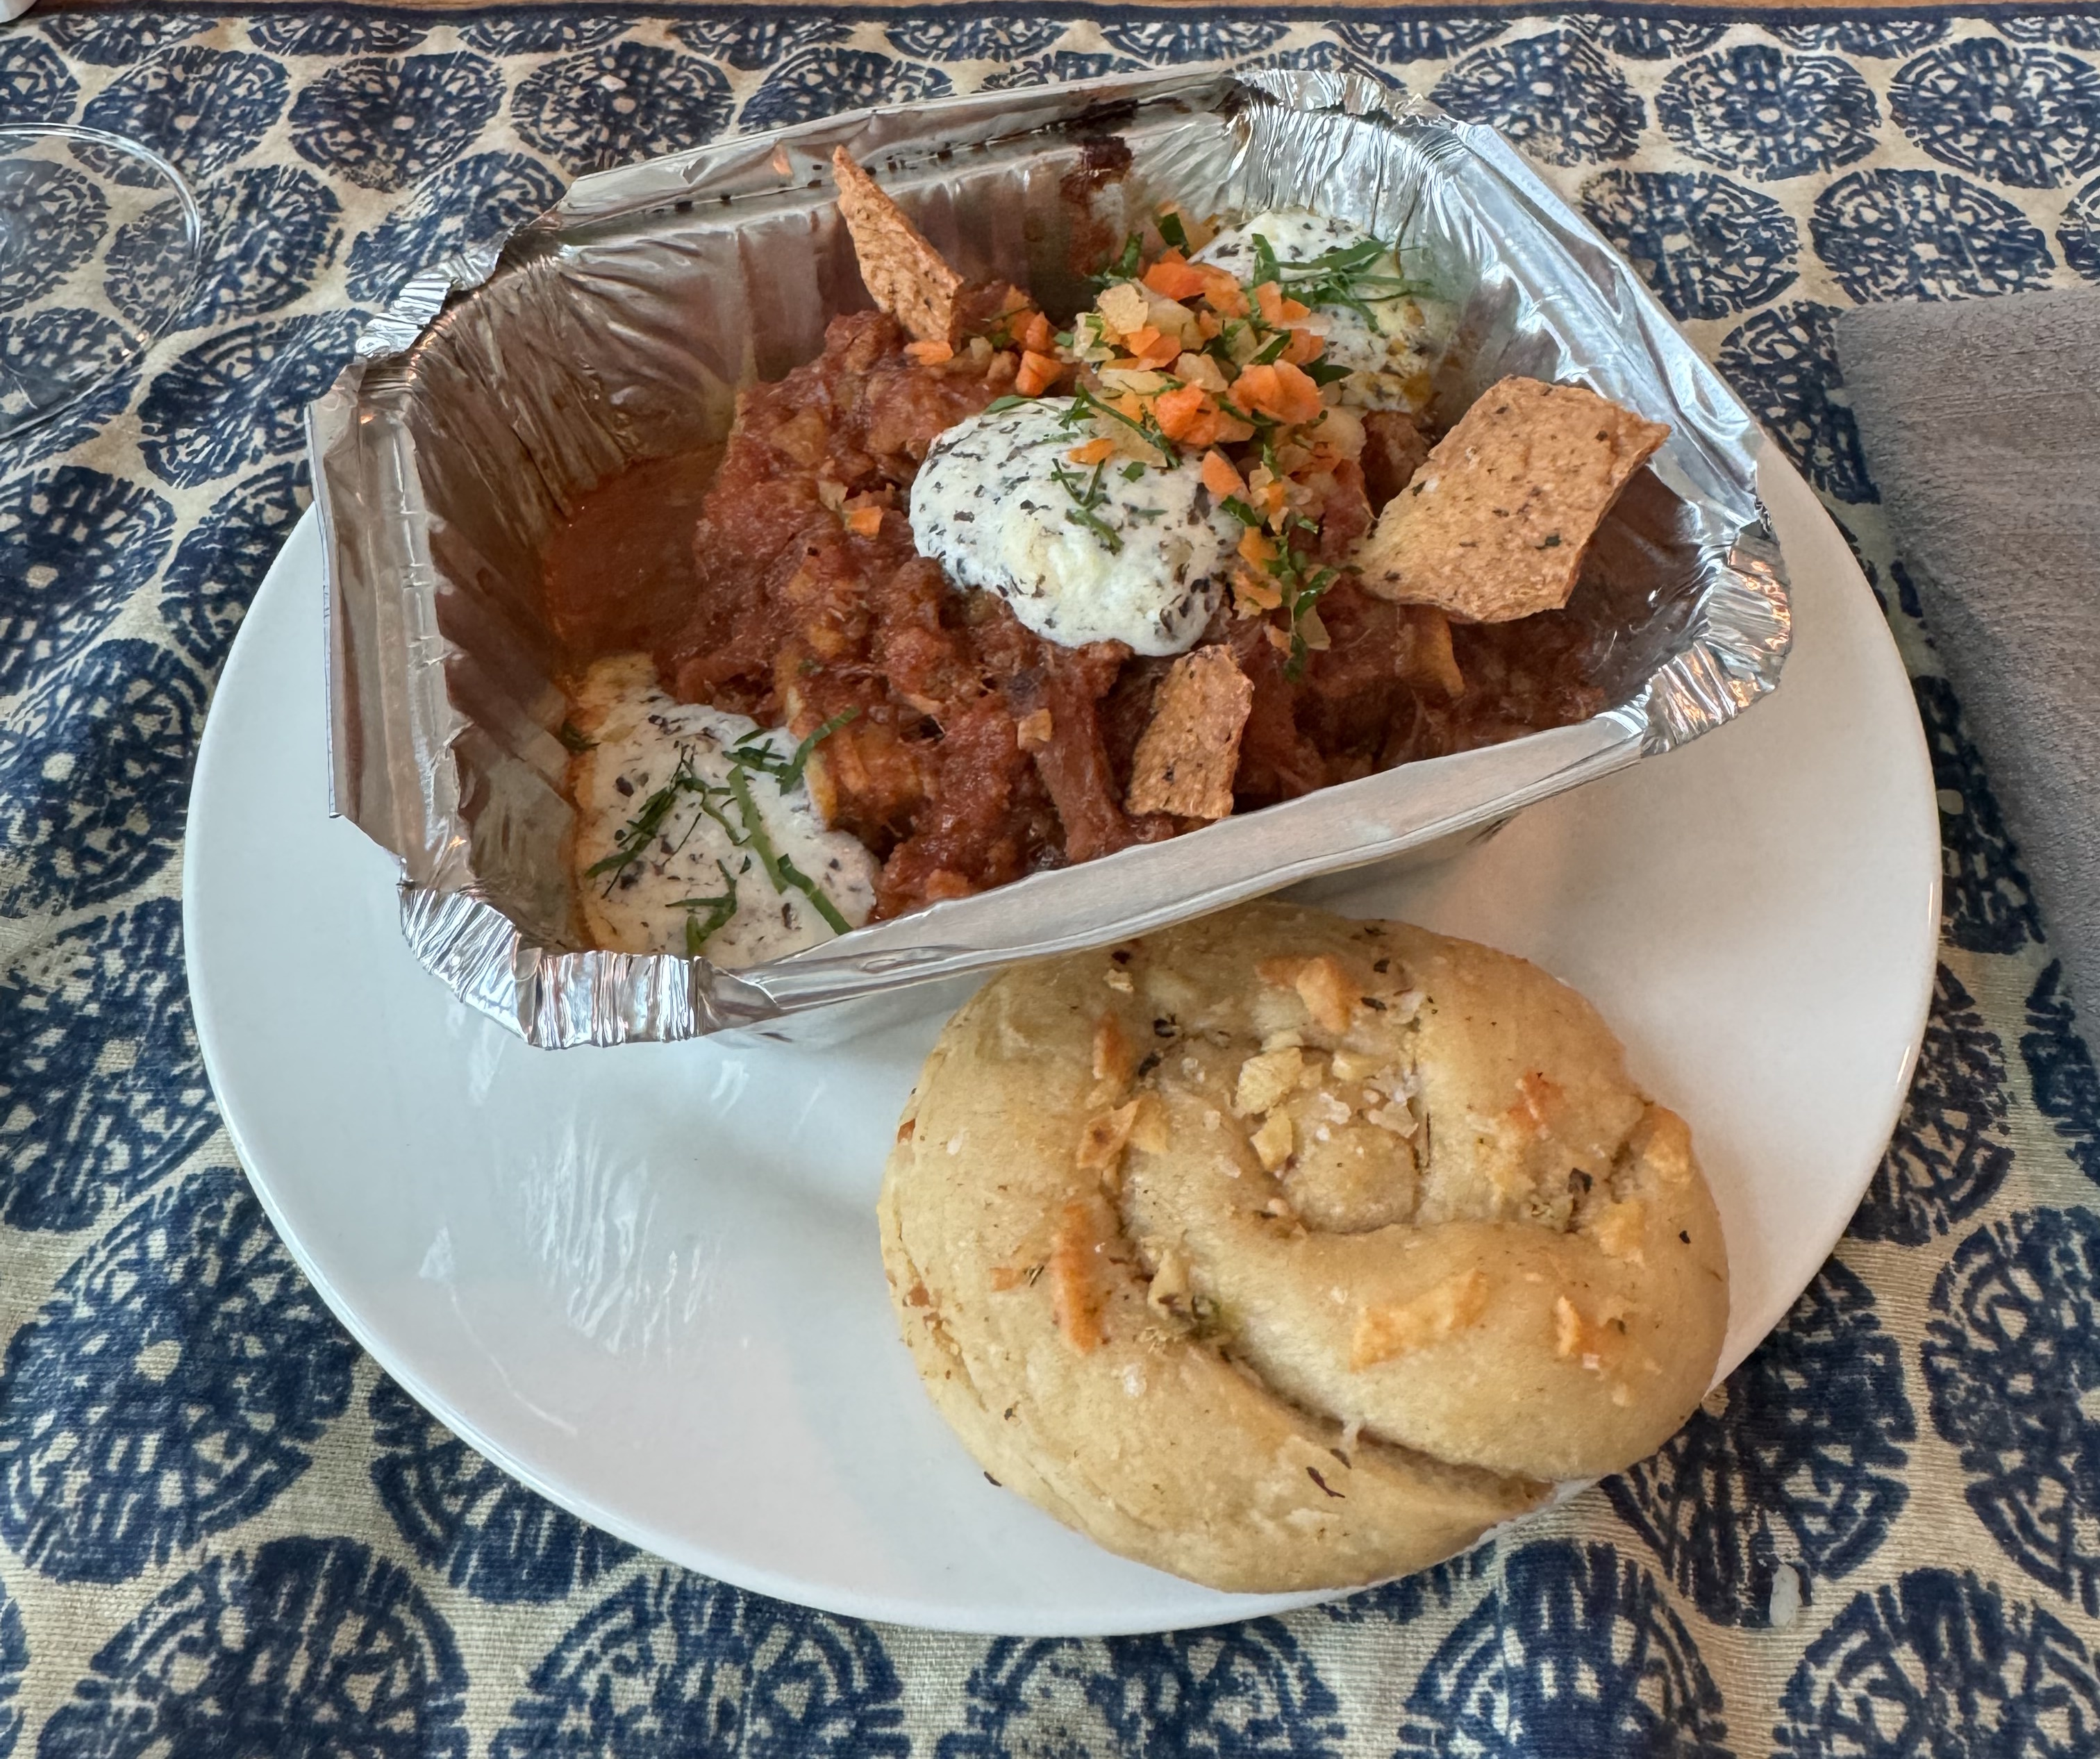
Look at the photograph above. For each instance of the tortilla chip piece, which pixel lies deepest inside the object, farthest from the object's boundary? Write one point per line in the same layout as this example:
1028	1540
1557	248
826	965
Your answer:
1495	524
908	278
1187	757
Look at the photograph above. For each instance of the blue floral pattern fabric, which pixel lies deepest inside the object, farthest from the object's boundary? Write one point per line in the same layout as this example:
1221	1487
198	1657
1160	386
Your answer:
224	1531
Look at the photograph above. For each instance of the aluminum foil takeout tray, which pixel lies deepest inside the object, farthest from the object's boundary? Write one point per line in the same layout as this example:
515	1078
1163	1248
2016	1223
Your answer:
504	383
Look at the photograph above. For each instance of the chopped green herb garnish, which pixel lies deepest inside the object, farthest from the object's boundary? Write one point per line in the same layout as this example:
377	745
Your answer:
814	892
1301	592
639	831
1272	351
755	836
1085	404
1132	471
1239	510
1220	347
1000	405
1343	276
1266	268
779	869
753	752
1323	372
1085	496
1125	267
1102	529
572	736
719	908
1253	417
1172	229
745	758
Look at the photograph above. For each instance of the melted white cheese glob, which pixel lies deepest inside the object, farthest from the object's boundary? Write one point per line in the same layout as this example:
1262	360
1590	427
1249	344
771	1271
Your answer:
641	737
1390	355
1137	555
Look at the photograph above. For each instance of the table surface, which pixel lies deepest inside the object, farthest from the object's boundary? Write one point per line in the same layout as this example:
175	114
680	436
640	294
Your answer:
221	1530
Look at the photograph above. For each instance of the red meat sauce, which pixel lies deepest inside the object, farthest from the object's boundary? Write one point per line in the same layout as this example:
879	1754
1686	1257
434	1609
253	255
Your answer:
777	577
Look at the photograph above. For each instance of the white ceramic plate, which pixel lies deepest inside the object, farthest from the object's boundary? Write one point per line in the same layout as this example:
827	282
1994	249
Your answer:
645	1281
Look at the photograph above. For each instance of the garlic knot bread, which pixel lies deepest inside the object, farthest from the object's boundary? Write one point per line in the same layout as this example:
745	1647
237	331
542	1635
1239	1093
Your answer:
1282	1251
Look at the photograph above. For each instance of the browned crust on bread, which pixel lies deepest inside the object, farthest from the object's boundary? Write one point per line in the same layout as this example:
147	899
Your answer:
1495	524
908	277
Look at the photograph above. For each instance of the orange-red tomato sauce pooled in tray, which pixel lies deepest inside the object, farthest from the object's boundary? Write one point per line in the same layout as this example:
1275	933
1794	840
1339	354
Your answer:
940	614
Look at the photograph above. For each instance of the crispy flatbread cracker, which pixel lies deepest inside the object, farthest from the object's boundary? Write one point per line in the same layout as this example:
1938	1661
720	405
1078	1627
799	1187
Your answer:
1430	663
909	278
1495	524
1186	758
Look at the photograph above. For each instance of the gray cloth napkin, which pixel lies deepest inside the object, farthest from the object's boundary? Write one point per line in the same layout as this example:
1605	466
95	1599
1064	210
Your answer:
1981	425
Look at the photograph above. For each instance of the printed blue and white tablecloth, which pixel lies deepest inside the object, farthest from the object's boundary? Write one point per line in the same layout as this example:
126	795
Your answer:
223	1531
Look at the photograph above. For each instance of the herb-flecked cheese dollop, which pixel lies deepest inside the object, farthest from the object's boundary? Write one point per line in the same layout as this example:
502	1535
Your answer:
642	740
1391	353
1133	554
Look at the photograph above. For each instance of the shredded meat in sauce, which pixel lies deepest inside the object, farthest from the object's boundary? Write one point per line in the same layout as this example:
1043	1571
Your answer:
978	752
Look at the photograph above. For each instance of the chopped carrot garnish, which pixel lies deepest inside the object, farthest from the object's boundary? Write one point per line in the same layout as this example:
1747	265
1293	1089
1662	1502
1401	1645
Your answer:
1219	478
1254	593
1037	373
1204	430
1094	451
1281	390
1036	333
1255	548
1301	395
1130	404
1207	325
1277	309
1255	389
1304	346
866	521
1151	348
1173	279
929	354
1224	293
1176	410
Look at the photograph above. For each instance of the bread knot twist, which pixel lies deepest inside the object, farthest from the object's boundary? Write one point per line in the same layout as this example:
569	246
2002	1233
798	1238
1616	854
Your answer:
1282	1250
